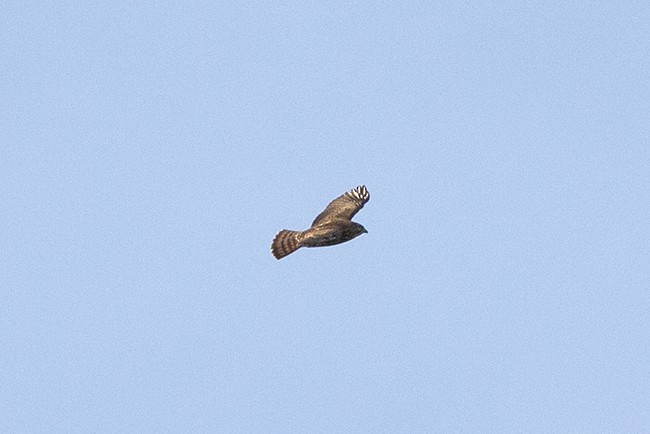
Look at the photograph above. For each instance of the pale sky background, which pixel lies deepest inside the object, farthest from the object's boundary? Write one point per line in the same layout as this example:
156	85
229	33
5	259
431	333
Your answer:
149	152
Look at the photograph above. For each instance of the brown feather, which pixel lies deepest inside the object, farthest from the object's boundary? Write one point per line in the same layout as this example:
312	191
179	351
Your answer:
285	243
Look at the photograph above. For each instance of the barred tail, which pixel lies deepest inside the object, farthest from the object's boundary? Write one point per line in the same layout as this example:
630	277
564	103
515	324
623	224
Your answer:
285	243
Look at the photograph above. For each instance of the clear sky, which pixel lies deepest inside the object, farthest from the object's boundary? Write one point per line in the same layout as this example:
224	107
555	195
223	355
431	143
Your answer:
149	152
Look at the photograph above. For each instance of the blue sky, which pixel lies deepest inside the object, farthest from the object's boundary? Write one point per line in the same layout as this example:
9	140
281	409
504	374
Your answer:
149	153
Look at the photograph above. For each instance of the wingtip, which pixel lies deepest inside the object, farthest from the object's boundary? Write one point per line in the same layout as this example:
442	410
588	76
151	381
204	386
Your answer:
361	193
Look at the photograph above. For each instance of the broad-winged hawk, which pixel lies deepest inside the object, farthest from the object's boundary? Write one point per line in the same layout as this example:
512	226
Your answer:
333	226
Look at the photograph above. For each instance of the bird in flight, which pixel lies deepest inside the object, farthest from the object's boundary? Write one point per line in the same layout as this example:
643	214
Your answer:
333	226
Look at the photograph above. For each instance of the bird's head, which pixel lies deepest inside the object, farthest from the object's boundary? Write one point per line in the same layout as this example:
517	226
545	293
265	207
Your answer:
360	229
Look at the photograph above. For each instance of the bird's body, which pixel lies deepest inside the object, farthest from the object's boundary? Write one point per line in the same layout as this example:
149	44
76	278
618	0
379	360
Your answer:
332	226
331	233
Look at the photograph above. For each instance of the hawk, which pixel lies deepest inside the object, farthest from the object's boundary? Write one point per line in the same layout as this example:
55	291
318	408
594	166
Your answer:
333	226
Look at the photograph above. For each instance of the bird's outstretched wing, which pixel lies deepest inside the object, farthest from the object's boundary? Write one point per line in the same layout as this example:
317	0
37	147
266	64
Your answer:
344	206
